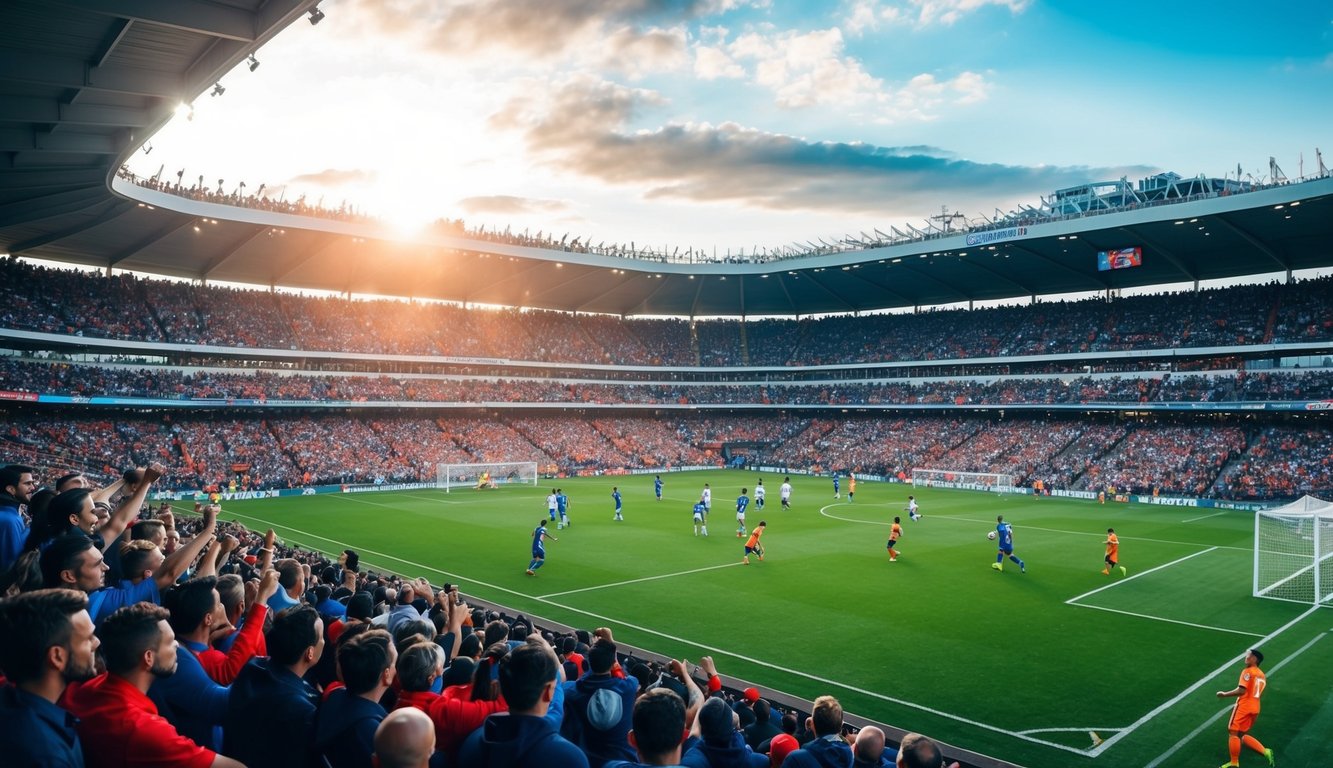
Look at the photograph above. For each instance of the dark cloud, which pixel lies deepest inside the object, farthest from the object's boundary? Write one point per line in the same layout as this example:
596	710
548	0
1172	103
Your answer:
582	129
528	27
509	205
334	177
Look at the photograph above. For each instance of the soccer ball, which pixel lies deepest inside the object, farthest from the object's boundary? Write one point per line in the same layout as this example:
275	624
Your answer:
991	535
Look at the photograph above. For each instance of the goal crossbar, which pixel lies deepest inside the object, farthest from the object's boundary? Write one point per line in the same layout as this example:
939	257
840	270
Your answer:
485	475
1293	552
952	478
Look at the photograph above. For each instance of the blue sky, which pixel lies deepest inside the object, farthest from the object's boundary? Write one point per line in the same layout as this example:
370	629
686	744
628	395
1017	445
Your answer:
734	124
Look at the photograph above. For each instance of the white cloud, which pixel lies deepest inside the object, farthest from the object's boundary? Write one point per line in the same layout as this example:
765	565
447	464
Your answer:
712	63
807	69
869	15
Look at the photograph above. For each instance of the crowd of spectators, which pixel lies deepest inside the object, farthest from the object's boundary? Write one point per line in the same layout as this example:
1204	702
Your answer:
84	304
147	637
179	383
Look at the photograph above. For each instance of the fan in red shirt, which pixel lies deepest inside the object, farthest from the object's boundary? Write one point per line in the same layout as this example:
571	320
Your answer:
118	723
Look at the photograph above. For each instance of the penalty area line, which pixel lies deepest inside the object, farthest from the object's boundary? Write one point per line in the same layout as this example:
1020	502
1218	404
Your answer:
1171	702
636	581
1204	517
1074	600
1208	723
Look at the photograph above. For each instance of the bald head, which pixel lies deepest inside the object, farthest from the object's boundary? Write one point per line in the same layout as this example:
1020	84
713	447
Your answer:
917	751
405	739
869	745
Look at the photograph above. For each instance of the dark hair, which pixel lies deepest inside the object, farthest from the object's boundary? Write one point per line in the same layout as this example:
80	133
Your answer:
63	554
524	673
30	624
128	632
762	710
789	723
24	574
131	476
292	632
602	657
659	721
12	474
1258	655
496	631
470	646
321	593
39	512
190	603
363	659
65	479
485	672
65	505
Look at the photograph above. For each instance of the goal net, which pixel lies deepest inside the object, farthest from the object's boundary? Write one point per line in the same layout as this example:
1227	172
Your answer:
949	478
454	476
1293	552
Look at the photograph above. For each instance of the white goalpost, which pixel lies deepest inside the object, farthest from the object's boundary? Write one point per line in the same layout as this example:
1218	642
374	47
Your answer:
487	475
950	478
1293	552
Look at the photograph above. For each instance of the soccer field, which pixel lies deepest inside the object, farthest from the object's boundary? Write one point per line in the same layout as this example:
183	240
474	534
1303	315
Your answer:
1020	666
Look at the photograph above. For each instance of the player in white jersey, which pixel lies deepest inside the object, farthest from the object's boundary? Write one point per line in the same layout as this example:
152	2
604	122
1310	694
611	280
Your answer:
784	493
911	509
759	494
550	504
707	499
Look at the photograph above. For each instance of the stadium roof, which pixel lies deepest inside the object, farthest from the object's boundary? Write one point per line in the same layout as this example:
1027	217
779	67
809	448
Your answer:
85	83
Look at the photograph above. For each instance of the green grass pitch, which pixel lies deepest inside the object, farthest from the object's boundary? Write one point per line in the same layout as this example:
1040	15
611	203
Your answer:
1018	666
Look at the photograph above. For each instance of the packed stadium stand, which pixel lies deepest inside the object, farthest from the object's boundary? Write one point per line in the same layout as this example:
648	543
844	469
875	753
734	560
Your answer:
1221	393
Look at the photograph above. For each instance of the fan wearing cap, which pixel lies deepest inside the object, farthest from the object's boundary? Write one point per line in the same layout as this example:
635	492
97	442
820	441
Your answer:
599	707
720	744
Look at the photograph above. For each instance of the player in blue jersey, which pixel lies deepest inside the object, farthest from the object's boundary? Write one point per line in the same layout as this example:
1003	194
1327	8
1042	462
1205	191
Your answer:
836	493
742	503
539	537
700	523
657	487
615	494
1004	534
562	507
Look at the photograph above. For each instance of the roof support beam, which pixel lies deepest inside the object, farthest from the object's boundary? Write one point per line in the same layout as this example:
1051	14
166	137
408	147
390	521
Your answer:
48	206
174	224
63	72
1098	284
113	211
29	140
22	109
212	19
229	250
313	249
809	274
1252	240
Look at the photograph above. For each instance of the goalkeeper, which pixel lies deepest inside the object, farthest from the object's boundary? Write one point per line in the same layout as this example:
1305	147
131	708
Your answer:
752	544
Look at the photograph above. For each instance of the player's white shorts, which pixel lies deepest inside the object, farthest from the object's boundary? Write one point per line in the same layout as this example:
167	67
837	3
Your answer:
698	517
740	517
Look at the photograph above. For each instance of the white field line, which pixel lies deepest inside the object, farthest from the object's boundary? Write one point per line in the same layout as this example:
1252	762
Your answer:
636	581
1108	729
1208	723
1204	517
1169	621
1160	708
1074	600
685	641
1117	583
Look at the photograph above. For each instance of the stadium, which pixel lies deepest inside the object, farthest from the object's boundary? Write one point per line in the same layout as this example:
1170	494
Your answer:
419	401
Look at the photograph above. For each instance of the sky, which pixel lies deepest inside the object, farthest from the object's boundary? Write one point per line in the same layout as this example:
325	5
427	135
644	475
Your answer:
735	124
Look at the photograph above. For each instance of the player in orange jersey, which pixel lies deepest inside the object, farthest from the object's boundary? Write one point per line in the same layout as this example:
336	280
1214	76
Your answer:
1112	553
895	533
752	544
1247	693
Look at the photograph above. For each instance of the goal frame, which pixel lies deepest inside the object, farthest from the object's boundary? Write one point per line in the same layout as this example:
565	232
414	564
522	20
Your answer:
953	478
1283	559
450	477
